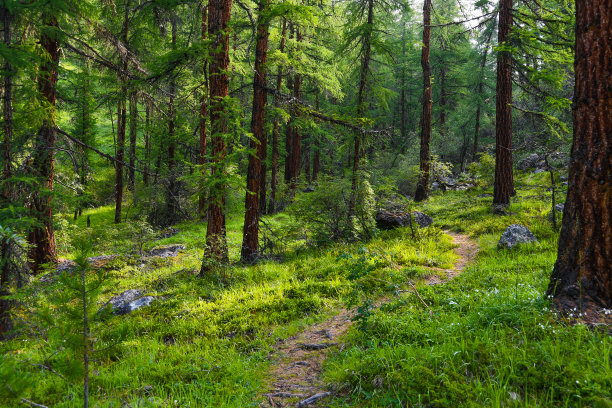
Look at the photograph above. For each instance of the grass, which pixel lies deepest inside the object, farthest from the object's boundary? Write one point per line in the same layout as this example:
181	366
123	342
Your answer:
492	339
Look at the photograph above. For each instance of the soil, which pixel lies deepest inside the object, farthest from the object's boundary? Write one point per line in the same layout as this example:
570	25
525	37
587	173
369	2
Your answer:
298	361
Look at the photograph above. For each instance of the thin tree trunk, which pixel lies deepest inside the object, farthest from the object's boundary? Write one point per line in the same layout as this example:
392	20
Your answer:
504	183
219	12
442	101
133	117
172	192
147	152
121	119
403	90
365	67
296	147
203	114
316	161
42	237
250	240
289	138
582	275
422	189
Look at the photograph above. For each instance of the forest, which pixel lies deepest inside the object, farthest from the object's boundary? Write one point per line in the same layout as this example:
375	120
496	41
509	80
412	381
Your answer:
298	203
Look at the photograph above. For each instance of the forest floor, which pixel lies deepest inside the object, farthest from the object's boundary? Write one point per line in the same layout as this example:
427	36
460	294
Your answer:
241	336
298	361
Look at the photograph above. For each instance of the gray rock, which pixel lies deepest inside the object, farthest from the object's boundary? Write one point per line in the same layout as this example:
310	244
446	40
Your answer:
387	220
560	207
129	301
515	234
532	161
423	220
539	170
166	251
309	189
435	186
500	209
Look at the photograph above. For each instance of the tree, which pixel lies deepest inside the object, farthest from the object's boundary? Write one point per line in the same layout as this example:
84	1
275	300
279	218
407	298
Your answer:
121	118
219	12
582	275
422	189
42	236
504	182
250	240
203	114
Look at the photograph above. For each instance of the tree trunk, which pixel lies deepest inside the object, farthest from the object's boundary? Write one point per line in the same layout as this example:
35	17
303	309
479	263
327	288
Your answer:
422	189
442	101
42	237
203	113
504	183
289	138
219	12
133	120
403	89
296	147
121	119
582	275
363	80
316	161
172	192
250	240
147	151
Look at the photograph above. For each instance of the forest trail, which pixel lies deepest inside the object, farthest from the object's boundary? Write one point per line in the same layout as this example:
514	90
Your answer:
298	361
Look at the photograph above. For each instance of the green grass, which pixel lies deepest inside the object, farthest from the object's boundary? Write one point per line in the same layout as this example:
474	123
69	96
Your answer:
491	339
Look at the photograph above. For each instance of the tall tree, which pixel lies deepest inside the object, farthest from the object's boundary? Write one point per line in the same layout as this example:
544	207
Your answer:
219	12
133	131
121	118
42	237
172	192
422	189
582	275
250	240
203	114
366	52
504	182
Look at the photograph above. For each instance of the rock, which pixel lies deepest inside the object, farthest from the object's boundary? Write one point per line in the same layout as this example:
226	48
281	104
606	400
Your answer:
309	189
101	261
166	251
500	209
313	399
423	220
515	234
560	207
128	301
316	346
484	195
563	177
435	186
387	220
168	233
530	162
539	170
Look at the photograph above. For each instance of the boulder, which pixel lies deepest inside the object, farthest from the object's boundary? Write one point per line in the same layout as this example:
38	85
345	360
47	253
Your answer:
387	220
435	186
128	301
515	234
560	207
166	251
309	189
532	161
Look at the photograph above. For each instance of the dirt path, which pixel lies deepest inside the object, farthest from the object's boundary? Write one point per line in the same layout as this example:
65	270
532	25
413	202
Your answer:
299	359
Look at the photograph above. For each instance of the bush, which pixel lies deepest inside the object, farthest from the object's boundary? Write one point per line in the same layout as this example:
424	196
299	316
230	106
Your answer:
324	212
484	170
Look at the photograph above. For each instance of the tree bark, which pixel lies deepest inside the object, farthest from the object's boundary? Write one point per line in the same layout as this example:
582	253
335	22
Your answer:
316	160
203	114
422	189
121	119
219	12
250	240
172	193
276	129
296	146
289	138
504	183
42	237
582	275
133	121
147	151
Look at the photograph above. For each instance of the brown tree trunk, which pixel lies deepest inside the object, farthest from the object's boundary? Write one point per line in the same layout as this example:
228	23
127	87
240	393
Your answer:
276	129
403	90
422	189
504	183
250	238
203	113
363	80
42	237
172	192
289	138
296	147
121	119
316	160
133	117
219	12
147	152
582	275
442	101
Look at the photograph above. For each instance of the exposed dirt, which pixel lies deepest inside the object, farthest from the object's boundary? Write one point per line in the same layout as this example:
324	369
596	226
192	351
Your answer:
296	375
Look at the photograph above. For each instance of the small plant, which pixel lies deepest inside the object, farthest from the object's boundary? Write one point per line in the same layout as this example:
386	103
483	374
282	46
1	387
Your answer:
483	170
